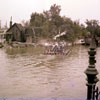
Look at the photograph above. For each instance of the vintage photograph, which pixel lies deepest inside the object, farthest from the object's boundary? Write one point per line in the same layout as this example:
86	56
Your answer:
49	49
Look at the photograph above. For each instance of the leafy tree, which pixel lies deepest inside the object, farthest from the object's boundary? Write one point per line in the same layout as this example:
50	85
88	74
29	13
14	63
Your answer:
93	27
72	29
83	31
37	19
77	28
25	23
55	10
53	16
52	23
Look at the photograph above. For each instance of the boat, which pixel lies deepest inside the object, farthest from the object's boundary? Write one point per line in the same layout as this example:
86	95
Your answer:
56	49
56	53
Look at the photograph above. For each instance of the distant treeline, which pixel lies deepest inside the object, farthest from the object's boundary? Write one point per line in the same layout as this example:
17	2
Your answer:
50	23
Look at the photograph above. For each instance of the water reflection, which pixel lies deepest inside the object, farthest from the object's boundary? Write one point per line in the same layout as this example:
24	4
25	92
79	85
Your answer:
27	73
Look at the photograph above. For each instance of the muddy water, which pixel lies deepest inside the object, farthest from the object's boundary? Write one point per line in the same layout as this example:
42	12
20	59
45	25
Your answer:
27	73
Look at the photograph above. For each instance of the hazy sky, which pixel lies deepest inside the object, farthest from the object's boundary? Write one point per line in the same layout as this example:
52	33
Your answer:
22	9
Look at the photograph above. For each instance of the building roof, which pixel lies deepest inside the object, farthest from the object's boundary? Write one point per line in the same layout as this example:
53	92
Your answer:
19	26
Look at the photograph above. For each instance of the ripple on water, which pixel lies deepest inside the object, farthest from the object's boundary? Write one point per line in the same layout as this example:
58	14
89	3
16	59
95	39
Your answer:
29	73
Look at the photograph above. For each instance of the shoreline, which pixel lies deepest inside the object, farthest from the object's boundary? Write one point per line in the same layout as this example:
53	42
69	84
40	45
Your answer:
40	43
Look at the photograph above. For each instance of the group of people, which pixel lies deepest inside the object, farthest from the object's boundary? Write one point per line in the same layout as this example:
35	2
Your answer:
56	48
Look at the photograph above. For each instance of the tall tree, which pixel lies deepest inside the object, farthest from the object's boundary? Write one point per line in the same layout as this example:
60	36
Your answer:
37	19
93	27
53	16
25	23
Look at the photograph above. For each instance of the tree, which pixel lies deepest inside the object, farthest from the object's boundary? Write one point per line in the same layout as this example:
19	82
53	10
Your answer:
93	27
37	19
72	29
52	23
54	11
48	29
83	31
25	23
53	16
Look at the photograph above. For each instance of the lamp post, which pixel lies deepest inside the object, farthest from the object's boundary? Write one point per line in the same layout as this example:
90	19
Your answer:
91	71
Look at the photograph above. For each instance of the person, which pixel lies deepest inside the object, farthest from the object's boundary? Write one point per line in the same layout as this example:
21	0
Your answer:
55	48
46	47
62	48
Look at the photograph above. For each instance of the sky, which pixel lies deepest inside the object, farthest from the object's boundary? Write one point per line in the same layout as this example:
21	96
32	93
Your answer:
74	9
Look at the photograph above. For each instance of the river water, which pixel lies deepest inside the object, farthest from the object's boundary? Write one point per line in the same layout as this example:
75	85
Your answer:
27	73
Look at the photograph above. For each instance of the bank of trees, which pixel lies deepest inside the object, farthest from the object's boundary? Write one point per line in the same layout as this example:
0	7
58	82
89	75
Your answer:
93	27
51	23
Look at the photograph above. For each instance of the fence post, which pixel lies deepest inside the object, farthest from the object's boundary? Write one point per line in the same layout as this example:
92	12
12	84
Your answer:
91	71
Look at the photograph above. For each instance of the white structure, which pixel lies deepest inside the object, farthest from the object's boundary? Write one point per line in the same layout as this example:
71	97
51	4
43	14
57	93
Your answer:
61	34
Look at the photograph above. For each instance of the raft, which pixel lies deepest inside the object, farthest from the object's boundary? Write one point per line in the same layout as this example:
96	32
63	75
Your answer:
56	53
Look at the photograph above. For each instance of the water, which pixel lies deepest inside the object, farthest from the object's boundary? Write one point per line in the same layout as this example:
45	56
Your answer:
27	73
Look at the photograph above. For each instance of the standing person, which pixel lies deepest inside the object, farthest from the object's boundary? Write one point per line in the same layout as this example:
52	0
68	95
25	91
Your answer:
46	47
55	49
62	47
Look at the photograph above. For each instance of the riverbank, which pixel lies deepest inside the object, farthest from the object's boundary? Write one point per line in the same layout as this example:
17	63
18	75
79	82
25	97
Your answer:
41	42
16	45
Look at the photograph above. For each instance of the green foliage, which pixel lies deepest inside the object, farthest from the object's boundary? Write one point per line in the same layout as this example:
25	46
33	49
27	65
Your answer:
37	20
48	29
93	27
52	23
25	23
55	10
